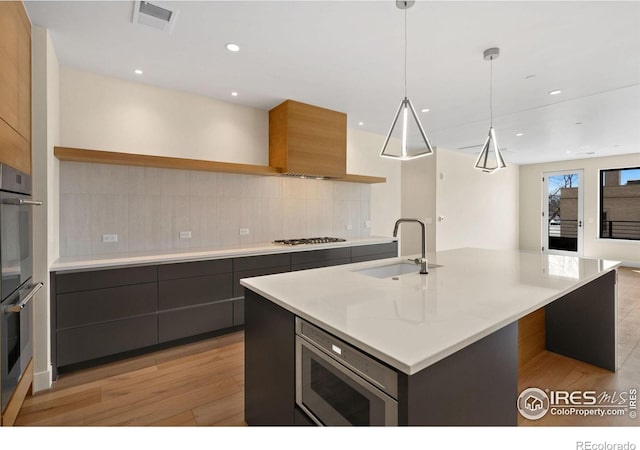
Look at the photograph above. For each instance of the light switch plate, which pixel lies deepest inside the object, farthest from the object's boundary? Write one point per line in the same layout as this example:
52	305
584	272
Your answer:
185	235
244	231
109	238
367	224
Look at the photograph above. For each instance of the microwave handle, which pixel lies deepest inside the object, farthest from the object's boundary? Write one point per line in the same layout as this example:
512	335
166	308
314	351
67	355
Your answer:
21	201
20	305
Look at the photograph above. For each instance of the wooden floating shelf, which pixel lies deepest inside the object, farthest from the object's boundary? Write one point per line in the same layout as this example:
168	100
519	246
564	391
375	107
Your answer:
166	162
163	162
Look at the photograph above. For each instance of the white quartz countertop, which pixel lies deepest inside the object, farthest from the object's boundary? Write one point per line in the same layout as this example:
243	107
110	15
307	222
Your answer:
414	320
186	255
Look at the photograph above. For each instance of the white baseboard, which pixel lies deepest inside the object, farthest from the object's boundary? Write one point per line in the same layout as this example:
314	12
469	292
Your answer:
42	380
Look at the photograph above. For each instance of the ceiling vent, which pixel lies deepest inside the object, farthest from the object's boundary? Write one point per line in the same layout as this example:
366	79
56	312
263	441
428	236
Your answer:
154	16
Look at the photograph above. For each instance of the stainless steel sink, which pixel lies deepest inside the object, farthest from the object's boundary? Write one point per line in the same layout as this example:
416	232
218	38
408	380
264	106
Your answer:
394	270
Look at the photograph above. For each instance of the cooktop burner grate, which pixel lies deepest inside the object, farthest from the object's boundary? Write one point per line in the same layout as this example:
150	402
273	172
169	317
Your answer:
314	240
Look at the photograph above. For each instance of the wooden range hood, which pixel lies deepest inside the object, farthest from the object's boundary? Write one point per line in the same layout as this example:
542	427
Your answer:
306	140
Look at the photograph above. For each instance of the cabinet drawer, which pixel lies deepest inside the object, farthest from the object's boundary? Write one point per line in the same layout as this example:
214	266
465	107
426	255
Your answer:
299	258
238	289
318	264
94	341
194	269
88	307
261	262
98	279
195	320
374	249
373	257
238	312
194	291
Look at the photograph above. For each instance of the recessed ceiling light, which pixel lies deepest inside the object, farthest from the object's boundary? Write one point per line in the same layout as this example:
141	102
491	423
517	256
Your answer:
568	152
138	72
233	47
235	94
519	134
425	110
556	92
360	123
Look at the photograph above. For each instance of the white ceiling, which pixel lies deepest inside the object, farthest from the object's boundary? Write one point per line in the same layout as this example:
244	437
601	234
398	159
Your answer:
348	56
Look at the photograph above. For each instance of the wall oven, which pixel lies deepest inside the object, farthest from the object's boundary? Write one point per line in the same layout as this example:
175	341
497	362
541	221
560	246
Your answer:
337	384
17	285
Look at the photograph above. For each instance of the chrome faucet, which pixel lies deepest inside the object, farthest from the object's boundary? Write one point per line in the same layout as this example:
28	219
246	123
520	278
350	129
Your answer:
422	261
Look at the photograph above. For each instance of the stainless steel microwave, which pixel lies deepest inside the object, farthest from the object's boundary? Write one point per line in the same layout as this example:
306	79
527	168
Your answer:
337	384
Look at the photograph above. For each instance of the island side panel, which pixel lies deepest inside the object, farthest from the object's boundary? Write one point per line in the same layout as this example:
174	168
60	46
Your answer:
269	362
582	324
477	385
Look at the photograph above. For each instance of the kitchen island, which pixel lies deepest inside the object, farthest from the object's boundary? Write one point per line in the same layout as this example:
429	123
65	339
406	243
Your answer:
451	336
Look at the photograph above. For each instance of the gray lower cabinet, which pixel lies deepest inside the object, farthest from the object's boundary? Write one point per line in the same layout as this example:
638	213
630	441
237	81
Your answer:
314	259
89	342
191	321
194	298
254	266
100	313
374	251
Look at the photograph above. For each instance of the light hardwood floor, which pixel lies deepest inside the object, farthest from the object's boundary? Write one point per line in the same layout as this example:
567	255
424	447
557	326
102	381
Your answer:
554	372
202	383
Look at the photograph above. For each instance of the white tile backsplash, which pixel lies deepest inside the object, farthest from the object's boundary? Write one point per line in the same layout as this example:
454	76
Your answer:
109	215
75	224
149	207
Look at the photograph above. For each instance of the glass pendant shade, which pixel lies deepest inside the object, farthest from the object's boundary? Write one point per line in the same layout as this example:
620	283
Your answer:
490	158
406	126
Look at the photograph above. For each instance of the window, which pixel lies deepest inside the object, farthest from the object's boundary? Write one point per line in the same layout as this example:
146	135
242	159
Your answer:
620	203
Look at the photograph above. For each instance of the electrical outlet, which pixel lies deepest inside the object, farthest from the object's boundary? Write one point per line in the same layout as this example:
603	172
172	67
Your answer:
367	224
349	227
185	235
244	231
109	238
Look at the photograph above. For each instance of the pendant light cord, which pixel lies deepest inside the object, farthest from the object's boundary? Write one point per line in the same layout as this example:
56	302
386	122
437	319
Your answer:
491	90
405	53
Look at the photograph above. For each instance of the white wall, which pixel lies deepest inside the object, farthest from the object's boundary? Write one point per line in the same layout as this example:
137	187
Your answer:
363	158
531	206
479	209
419	202
104	113
45	115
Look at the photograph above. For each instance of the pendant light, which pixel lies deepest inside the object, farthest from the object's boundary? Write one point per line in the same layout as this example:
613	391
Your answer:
407	115
490	158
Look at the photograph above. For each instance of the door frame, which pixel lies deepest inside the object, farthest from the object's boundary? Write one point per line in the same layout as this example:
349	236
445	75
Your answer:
545	212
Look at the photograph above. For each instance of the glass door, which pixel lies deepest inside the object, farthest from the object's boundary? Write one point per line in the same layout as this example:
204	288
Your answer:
562	222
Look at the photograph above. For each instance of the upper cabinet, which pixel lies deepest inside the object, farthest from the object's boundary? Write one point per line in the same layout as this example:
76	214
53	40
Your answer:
15	86
308	140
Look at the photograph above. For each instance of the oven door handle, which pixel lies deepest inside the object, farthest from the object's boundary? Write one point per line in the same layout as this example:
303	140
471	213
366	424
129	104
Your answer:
22	303
20	202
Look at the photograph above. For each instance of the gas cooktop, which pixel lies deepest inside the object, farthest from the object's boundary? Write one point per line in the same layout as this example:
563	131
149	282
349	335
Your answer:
314	240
